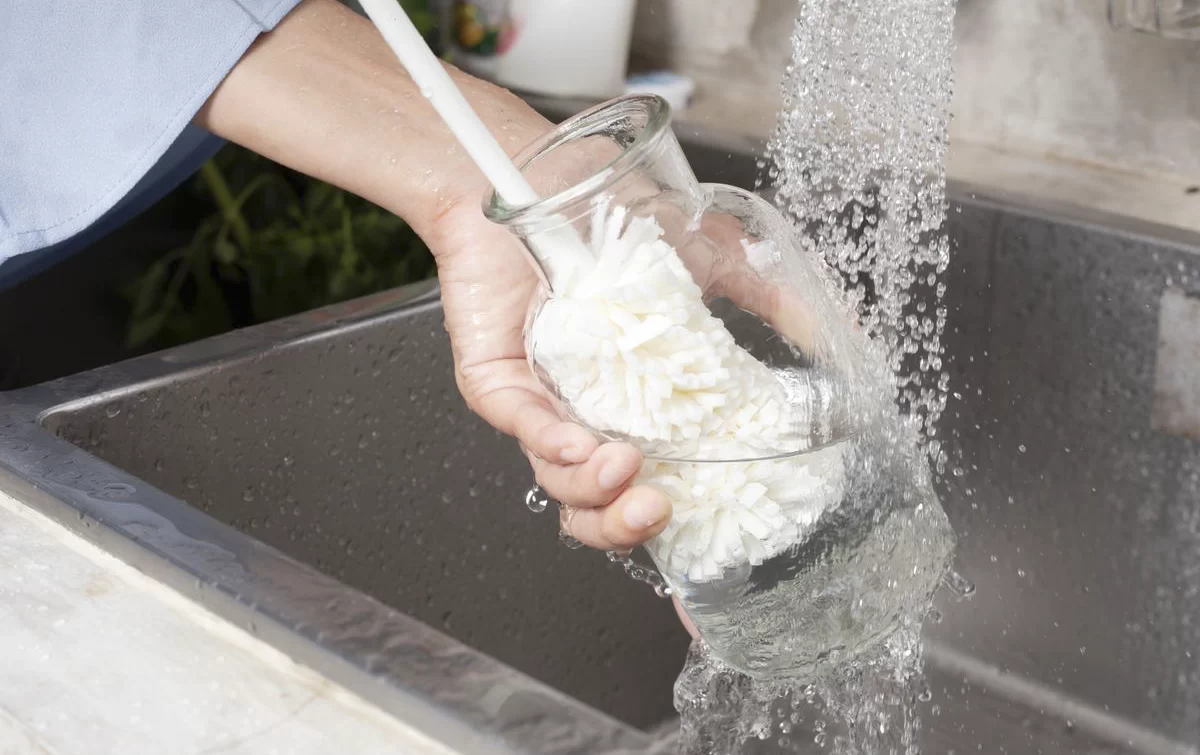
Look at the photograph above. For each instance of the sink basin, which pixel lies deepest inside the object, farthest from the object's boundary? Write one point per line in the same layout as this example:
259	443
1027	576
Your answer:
318	481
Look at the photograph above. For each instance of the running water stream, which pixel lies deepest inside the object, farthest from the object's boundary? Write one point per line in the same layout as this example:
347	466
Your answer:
857	161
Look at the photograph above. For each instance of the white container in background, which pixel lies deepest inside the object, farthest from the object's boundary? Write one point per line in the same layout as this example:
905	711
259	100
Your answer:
564	48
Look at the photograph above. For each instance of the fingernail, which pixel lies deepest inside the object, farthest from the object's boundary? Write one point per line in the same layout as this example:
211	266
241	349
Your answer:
613	475
574	454
645	512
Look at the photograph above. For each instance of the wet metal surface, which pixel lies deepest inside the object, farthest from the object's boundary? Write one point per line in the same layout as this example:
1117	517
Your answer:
355	455
1078	520
1177	376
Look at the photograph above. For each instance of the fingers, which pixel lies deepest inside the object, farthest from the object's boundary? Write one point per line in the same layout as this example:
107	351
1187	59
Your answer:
509	398
541	431
638	514
591	479
596	482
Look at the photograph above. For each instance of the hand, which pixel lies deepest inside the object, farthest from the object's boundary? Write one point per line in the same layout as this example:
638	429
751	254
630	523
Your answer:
324	95
487	286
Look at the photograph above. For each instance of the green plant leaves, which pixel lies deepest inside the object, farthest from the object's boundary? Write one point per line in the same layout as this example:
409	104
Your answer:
273	243
270	243
422	16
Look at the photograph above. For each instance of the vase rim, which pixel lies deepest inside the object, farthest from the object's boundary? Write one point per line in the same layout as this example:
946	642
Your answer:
655	117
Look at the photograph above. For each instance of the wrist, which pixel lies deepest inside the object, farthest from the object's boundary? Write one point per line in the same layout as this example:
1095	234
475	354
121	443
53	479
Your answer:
323	94
440	183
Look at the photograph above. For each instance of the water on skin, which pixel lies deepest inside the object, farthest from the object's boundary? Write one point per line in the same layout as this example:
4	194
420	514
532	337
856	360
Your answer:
857	158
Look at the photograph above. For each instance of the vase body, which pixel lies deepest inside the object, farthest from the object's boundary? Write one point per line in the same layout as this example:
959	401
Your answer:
682	318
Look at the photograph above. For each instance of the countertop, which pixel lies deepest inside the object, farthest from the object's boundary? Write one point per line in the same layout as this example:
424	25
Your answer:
98	658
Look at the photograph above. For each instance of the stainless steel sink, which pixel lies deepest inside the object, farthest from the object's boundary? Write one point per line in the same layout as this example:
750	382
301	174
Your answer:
318	481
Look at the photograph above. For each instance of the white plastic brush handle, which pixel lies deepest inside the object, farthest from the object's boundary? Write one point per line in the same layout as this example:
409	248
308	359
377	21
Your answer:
436	85
561	247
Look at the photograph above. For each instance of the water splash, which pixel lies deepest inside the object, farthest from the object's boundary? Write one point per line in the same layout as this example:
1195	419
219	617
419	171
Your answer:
869	707
640	573
857	158
568	541
857	161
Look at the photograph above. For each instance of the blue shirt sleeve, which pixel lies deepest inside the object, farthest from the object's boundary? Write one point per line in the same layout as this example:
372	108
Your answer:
96	100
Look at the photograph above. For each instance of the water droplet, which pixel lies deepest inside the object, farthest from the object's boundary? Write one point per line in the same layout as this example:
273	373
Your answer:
112	410
569	541
959	586
1022	448
537	500
115	491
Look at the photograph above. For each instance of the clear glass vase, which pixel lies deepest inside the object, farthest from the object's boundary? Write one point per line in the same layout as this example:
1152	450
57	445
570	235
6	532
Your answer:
683	318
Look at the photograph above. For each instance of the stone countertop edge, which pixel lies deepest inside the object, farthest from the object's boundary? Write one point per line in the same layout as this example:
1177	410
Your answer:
78	678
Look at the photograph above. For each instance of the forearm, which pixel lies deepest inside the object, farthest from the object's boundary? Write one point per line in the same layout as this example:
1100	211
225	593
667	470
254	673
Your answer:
323	94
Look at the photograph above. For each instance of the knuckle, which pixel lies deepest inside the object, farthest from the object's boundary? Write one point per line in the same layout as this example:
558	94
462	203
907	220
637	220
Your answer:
470	396
586	490
615	534
523	421
542	475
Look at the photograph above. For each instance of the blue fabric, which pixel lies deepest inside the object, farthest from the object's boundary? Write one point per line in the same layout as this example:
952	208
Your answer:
185	156
96	100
